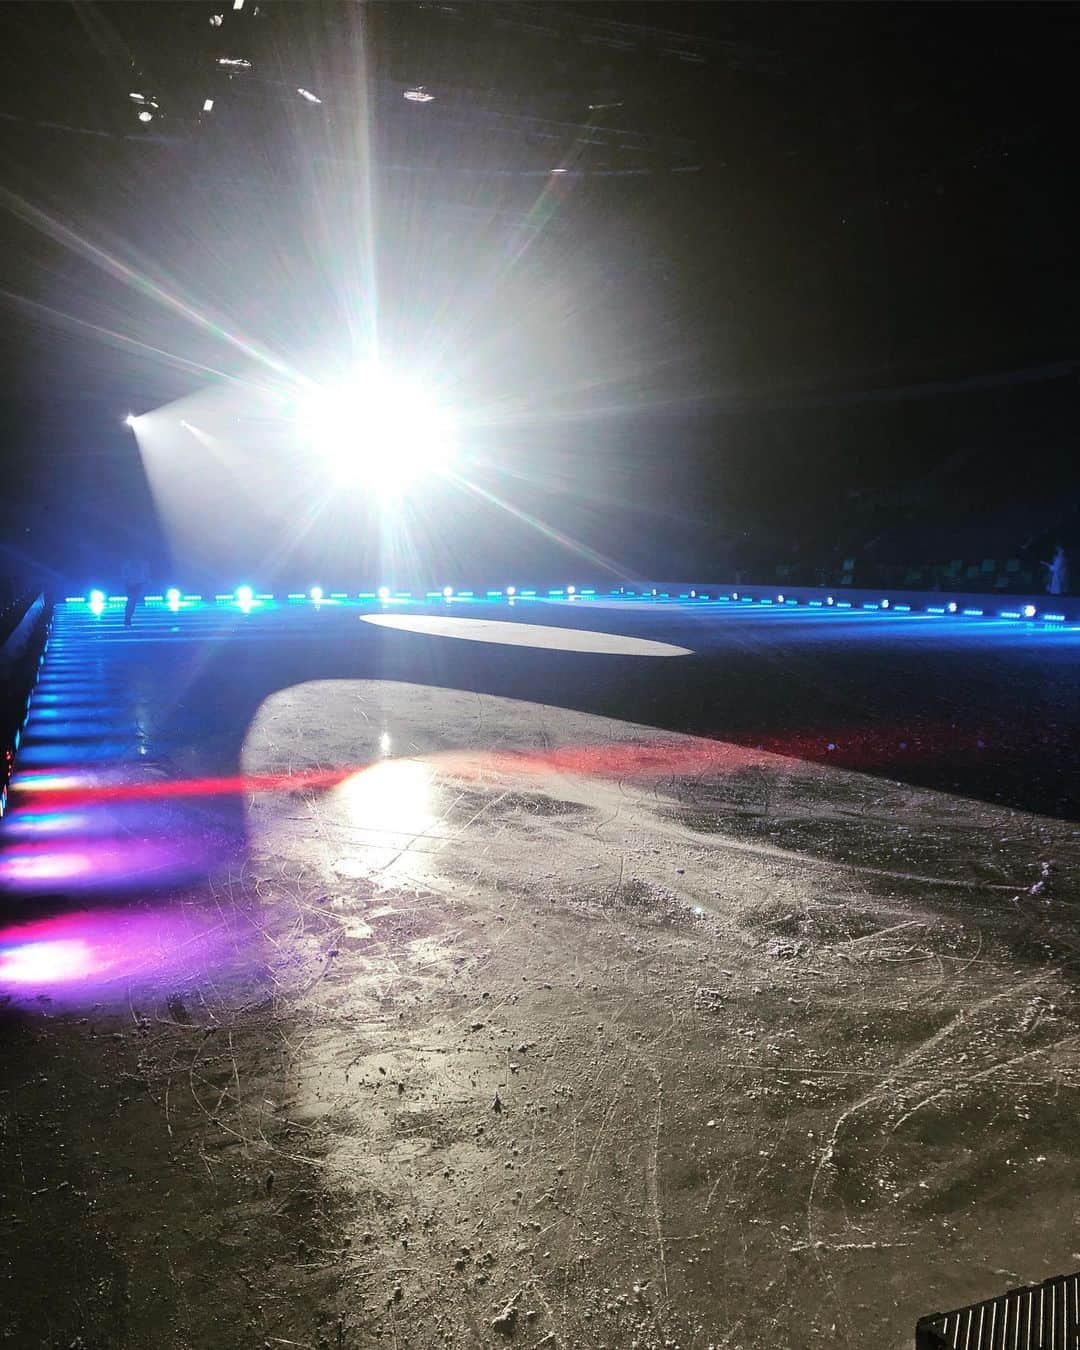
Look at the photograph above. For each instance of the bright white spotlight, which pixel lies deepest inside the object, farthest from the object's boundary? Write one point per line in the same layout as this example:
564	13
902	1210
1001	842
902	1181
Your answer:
130	420
244	595
146	115
418	95
384	592
511	590
208	105
308	96
316	593
447	591
377	430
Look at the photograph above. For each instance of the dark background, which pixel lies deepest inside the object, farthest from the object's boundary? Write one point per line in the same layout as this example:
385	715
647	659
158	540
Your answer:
809	283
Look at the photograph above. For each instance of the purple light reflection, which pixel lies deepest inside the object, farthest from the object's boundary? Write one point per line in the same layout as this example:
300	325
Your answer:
81	953
42	780
30	863
82	862
34	824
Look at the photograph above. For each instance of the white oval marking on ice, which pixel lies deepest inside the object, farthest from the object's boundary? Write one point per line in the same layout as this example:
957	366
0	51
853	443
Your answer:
527	635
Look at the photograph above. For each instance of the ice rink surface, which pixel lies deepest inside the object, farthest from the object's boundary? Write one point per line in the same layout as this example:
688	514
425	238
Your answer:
577	974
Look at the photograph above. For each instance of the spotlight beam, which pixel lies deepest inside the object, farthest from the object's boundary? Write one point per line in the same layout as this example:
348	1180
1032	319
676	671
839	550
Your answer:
548	531
130	276
122	339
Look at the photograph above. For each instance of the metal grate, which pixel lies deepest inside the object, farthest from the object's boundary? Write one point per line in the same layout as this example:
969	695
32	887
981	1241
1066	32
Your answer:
1037	1317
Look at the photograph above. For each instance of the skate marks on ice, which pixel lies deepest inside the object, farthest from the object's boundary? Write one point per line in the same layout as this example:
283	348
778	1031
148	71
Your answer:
627	1037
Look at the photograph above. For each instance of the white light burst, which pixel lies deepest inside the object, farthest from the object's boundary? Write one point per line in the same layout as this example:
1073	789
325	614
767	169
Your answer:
379	429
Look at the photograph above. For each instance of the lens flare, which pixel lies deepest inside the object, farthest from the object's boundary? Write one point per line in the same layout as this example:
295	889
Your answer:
377	429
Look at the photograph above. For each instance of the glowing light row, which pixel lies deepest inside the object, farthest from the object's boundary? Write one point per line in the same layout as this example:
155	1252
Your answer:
951	607
245	597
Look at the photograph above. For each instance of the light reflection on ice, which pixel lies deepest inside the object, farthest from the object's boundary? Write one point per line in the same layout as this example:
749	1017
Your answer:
389	812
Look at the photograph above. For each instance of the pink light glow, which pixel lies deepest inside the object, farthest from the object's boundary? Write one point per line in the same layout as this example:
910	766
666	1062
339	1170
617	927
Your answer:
857	747
33	865
50	791
87	950
111	860
45	963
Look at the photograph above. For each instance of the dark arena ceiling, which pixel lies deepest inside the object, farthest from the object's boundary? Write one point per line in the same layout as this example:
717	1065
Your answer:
789	183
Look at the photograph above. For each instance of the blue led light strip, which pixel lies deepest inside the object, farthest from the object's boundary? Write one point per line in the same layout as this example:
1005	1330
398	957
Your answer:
96	601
